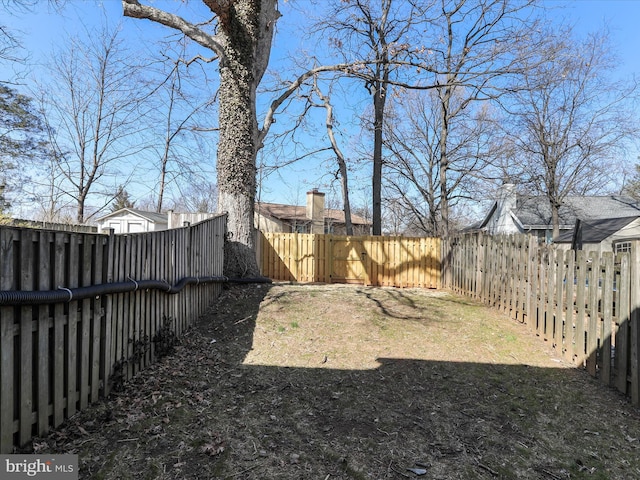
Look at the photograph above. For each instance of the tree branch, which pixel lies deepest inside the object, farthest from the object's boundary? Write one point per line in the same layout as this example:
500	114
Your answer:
133	9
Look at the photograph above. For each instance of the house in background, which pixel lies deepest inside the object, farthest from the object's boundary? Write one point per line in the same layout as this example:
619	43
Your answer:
602	218
602	235
269	217
311	218
131	220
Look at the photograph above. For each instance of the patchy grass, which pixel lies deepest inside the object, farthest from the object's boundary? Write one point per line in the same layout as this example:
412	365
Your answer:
348	382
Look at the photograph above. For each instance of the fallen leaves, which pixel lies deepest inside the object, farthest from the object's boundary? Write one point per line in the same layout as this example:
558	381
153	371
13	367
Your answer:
215	445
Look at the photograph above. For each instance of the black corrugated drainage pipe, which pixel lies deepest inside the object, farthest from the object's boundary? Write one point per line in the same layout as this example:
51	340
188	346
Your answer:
21	297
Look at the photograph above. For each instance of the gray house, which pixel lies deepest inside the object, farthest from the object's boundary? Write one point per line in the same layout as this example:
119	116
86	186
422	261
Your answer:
603	235
601	220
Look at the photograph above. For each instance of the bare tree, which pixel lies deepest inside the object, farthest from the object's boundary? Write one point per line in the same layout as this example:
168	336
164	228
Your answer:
178	110
198	196
340	158
571	123
631	186
414	140
91	109
465	50
10	44
376	33
475	46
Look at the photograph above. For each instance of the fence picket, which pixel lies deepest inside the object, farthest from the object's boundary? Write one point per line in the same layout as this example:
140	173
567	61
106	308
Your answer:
581	282
569	323
8	395
634	323
72	326
607	319
623	315
593	302
25	360
44	327
558	314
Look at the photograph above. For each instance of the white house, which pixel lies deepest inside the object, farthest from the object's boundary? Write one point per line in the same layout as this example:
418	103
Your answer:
131	220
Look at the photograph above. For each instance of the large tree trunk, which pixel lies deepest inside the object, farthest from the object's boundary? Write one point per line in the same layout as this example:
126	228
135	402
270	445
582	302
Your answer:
379	100
243	45
236	161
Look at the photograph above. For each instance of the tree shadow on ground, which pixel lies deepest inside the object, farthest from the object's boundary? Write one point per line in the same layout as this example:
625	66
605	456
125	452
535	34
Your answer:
203	414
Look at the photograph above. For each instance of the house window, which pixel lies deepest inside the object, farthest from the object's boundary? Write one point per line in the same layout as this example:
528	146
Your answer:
621	247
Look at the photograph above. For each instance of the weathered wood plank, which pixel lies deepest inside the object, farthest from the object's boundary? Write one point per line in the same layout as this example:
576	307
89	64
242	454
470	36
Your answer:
549	296
44	328
607	319
634	320
98	314
592	326
59	320
86	273
107	348
27	265
623	314
558	314
581	283
7	319
570	329
71	354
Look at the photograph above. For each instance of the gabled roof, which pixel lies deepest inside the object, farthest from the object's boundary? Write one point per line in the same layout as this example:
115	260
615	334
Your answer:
535	213
299	214
151	216
595	231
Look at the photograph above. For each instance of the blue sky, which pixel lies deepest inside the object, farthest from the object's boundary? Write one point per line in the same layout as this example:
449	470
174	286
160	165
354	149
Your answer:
44	28
620	16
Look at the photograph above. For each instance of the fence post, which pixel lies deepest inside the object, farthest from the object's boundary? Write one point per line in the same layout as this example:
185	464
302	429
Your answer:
446	261
7	380
634	318
328	270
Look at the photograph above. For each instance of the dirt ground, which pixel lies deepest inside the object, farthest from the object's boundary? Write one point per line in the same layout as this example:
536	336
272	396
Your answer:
348	382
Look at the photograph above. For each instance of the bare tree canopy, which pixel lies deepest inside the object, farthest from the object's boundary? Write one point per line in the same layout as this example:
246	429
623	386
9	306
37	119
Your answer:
91	109
571	122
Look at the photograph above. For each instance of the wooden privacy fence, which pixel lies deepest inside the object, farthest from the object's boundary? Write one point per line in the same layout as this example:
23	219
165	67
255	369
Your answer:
56	358
585	304
369	260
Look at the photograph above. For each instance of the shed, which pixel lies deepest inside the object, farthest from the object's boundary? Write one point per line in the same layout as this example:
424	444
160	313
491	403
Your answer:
131	220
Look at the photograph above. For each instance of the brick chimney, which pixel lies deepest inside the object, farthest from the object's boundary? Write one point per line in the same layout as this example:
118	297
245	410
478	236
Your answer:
315	211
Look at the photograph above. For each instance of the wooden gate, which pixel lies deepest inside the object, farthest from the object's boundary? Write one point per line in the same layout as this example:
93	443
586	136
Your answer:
348	260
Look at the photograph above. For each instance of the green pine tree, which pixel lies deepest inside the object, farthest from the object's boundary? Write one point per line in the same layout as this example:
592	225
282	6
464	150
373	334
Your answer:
21	140
121	200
